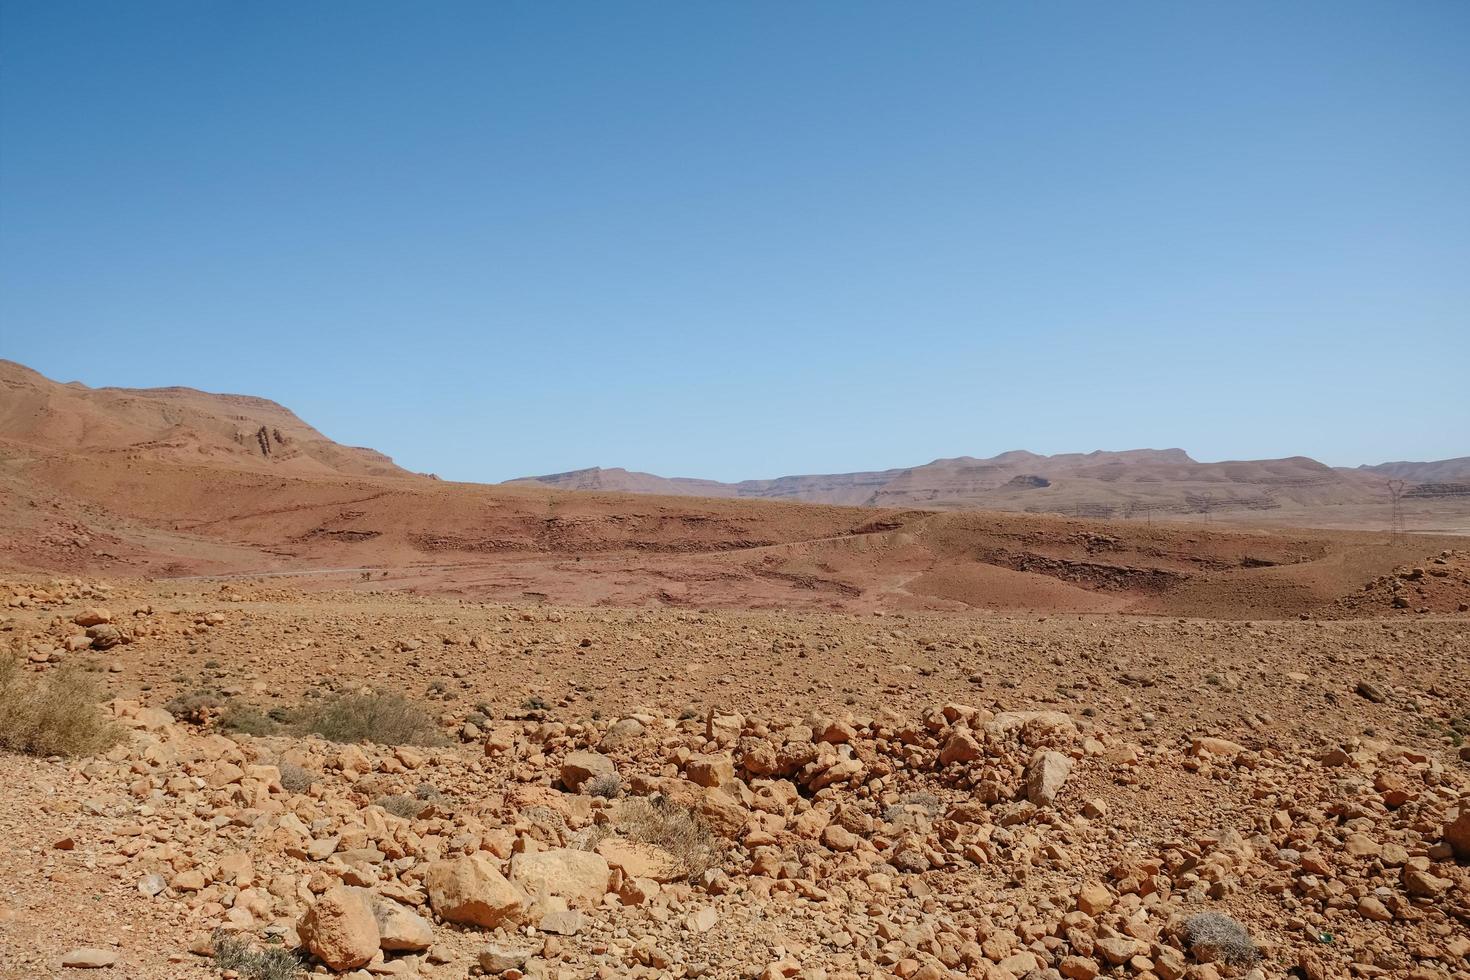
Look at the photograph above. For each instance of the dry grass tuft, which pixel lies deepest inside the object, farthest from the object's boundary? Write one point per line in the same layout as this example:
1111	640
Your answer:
55	713
247	720
296	779
231	953
676	829
1212	937
608	786
402	805
387	719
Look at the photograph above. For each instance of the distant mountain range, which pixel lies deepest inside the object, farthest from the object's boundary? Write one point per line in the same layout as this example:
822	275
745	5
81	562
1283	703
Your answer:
183	425
1439	471
1098	484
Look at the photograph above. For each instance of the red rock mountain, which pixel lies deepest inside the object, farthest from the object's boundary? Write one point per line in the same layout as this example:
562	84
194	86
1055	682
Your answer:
179	424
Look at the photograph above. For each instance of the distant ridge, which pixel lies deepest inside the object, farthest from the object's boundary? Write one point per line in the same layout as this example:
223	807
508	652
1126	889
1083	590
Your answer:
1102	483
1440	471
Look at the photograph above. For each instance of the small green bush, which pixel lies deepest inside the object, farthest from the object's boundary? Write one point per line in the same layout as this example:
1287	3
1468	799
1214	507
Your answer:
387	719
247	720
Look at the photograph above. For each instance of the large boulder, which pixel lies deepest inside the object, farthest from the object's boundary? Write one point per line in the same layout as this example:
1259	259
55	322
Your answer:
1033	729
723	814
105	636
1045	776
580	767
340	928
89	958
1457	834
713	771
401	929
92	616
471	890
580	877
960	747
639	860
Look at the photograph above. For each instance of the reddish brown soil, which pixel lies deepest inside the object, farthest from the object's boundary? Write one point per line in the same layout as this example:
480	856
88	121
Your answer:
90	513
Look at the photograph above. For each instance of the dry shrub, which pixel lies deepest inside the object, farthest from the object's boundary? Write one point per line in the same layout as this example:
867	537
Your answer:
1212	937
608	786
387	719
247	720
296	779
194	707
55	713
676	829
402	805
231	953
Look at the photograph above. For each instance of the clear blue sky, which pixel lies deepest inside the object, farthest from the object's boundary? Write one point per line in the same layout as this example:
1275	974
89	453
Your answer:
748	239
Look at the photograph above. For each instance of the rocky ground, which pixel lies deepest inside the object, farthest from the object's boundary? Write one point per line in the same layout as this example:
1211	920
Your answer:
1440	584
677	793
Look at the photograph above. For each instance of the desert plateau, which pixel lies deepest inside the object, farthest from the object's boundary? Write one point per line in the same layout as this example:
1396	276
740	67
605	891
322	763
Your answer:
370	723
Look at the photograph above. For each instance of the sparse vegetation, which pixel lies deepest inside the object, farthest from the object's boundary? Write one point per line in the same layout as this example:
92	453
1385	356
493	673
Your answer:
429	793
402	805
1212	937
247	720
195	707
387	719
676	829
232	953
56	713
296	779
608	786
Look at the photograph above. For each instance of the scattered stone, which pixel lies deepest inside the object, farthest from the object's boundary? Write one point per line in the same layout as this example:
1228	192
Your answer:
92	616
1045	776
497	958
88	958
1372	692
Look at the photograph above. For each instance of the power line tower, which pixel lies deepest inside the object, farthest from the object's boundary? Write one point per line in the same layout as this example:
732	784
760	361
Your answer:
1396	520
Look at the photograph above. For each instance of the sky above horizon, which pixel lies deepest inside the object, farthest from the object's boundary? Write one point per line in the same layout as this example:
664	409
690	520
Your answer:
746	240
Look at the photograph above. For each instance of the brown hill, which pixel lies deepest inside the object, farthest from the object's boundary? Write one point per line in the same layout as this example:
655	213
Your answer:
182	424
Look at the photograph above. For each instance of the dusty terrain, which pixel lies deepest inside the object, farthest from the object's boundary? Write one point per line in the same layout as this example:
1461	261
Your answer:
874	809
680	737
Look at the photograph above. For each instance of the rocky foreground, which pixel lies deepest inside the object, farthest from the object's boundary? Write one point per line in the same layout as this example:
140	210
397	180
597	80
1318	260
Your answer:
1003	832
